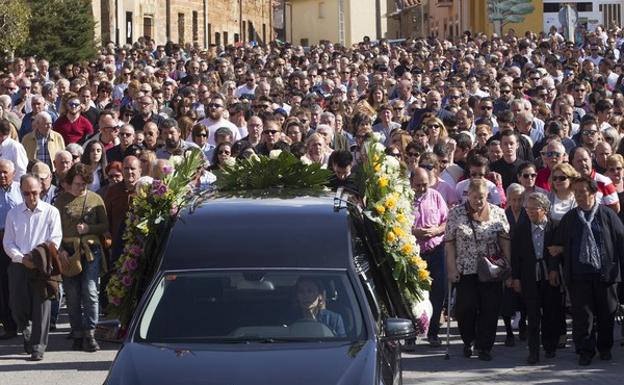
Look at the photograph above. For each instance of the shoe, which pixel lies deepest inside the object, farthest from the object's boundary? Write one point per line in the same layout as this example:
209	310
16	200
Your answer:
77	345
467	350
606	356
510	340
485	356
36	356
434	341
522	335
90	344
52	327
533	359
562	342
8	335
409	345
550	354
584	360
28	347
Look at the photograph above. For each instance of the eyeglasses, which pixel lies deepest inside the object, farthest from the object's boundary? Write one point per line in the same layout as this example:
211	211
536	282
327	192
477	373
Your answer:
203	135
110	128
589	132
427	167
433	126
454	97
75	156
505	91
560	178
125	134
527	176
262	106
73	105
413	154
270	132
215	105
535	78
486	108
395	154
551	154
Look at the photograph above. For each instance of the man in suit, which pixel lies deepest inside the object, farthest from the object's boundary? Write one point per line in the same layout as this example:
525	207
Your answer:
529	262
591	238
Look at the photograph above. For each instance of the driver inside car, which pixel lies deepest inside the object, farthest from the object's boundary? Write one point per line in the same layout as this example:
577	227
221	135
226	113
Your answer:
312	306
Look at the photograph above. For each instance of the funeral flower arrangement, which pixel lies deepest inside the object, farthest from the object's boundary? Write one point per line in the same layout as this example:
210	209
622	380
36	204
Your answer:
280	169
157	202
388	200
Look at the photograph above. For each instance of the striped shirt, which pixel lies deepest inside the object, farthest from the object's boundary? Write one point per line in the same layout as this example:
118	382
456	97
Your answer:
607	193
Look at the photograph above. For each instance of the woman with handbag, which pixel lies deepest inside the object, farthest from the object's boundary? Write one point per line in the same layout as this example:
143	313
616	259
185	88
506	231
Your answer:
477	256
83	218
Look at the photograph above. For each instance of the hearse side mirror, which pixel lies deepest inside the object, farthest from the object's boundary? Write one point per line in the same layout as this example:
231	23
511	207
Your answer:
399	328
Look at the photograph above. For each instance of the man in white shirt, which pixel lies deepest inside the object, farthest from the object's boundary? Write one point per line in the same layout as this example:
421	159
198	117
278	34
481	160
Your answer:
12	150
28	225
249	87
215	120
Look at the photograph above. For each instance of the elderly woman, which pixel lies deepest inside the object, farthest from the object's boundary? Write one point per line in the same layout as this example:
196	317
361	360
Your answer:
476	229
84	220
317	150
530	260
511	302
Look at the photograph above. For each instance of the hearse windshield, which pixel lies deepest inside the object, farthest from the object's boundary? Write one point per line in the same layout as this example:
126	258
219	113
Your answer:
251	306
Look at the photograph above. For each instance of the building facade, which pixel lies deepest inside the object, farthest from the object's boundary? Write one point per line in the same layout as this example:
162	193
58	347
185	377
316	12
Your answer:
309	22
200	22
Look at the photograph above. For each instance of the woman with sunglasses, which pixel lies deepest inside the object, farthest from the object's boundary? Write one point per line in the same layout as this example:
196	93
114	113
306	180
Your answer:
200	137
74	127
526	175
436	132
222	155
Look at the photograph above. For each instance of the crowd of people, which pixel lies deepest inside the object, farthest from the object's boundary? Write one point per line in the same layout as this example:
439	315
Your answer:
512	144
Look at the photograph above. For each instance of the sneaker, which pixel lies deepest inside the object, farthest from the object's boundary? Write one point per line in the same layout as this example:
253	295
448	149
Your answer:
467	350
485	355
36	356
434	341
52	327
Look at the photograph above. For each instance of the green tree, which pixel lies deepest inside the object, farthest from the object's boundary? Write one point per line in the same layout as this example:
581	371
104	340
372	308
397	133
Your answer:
503	12
14	19
61	31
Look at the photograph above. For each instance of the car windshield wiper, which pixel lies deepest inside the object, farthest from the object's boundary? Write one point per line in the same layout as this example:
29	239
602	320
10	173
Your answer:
261	340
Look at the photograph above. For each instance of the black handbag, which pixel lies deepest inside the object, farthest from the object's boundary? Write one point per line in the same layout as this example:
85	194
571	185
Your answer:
492	267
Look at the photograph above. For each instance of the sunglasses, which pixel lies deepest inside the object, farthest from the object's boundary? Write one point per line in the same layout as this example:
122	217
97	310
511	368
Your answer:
560	178
125	134
486	108
427	167
215	105
433	126
74	156
552	154
589	132
414	154
271	132
527	176
202	135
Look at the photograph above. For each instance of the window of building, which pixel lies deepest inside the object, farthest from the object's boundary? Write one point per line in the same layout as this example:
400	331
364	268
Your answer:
305	42
244	29
236	38
195	27
225	38
209	34
148	25
217	38
321	10
181	39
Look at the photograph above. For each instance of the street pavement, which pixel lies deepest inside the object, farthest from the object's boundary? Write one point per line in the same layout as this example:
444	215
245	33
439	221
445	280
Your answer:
423	366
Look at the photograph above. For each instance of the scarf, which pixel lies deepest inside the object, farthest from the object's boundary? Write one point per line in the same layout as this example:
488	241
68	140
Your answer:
590	251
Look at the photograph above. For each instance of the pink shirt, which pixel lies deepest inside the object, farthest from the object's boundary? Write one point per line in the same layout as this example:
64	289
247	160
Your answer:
447	191
429	210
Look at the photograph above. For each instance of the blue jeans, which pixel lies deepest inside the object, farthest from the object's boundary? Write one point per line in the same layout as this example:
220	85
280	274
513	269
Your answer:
437	269
81	294
56	306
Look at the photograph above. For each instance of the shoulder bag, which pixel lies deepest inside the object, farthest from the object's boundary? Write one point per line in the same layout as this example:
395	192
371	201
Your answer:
492	267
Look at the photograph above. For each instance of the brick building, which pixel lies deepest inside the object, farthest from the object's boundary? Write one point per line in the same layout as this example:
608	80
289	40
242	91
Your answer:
205	22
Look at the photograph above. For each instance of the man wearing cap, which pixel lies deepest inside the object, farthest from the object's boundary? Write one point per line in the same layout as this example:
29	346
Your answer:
28	225
42	143
9	197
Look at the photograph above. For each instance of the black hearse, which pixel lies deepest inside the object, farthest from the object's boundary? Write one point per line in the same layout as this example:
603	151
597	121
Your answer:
268	290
